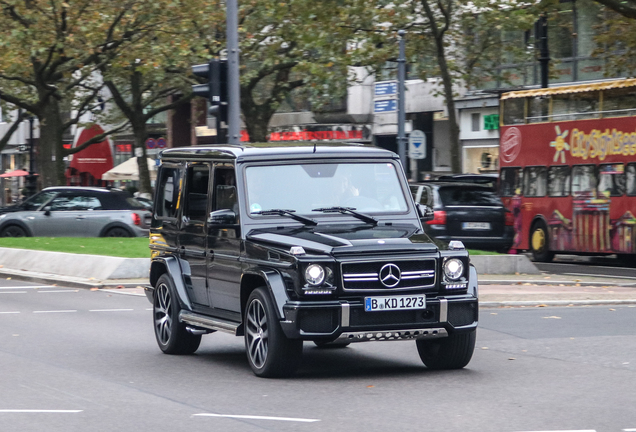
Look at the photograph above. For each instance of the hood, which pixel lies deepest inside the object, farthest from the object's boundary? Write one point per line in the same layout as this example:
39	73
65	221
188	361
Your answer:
346	239
10	208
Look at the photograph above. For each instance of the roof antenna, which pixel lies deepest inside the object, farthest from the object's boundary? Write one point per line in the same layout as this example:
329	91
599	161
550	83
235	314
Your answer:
314	146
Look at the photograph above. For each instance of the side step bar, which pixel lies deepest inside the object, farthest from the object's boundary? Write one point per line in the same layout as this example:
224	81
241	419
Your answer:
209	323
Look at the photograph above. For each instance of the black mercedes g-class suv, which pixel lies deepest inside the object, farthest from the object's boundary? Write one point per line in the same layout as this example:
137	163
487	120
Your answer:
305	242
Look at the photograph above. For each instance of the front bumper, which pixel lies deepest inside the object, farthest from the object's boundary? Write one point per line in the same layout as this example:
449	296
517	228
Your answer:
347	320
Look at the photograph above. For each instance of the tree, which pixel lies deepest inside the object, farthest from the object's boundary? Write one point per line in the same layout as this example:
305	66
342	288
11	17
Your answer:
616	38
626	8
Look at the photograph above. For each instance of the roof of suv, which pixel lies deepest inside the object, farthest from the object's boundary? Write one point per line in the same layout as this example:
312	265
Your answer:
278	151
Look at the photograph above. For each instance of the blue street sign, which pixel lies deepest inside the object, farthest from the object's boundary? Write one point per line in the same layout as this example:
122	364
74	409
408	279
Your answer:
385	88
384	105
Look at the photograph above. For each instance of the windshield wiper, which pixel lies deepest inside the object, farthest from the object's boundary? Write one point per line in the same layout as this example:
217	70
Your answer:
290	213
348	210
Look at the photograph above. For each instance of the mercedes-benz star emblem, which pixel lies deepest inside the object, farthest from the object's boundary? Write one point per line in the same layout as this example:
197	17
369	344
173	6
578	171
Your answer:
390	275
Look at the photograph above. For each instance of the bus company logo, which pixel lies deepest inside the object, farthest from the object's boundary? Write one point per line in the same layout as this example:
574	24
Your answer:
510	144
560	145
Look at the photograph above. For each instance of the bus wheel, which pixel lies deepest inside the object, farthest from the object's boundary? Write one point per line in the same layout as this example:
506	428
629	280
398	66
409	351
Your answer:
539	242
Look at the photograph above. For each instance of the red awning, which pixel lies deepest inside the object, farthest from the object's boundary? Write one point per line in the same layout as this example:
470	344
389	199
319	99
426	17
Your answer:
95	159
15	173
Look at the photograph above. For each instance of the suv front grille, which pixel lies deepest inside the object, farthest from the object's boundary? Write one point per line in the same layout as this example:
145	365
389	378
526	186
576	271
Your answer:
388	275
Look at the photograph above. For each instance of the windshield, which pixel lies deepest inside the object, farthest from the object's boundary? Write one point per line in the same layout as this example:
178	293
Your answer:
365	187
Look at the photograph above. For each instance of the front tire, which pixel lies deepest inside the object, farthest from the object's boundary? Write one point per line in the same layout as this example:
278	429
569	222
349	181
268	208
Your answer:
172	336
540	243
13	231
452	352
269	352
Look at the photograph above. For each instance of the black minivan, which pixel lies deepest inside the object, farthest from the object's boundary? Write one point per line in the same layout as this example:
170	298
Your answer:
469	212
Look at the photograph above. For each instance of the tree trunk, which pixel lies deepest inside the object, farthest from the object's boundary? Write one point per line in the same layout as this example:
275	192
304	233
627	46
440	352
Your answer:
141	135
450	106
49	157
257	117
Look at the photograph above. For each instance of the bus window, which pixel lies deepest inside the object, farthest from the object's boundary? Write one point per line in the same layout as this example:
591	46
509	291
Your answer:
538	109
559	181
575	106
513	111
619	102
630	179
510	181
612	179
534	181
583	178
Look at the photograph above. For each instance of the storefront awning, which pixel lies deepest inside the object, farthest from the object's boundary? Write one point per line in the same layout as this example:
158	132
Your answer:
129	170
95	159
15	173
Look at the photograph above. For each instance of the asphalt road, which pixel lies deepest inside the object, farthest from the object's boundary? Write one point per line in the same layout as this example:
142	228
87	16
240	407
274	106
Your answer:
79	360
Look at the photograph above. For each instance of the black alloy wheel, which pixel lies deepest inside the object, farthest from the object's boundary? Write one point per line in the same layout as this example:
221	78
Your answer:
13	231
269	352
540	243
172	336
452	352
117	232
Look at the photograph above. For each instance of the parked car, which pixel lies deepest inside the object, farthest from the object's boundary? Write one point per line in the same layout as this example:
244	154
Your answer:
466	211
305	242
69	211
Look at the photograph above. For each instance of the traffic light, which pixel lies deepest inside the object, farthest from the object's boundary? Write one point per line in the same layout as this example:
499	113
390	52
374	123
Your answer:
215	91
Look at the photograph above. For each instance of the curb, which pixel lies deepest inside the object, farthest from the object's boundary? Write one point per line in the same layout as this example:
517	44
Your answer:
70	282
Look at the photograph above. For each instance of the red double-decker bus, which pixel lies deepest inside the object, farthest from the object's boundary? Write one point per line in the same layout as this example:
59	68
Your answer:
568	168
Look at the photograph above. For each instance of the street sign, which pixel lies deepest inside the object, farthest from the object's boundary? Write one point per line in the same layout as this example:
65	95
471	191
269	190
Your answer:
384	105
417	145
387	88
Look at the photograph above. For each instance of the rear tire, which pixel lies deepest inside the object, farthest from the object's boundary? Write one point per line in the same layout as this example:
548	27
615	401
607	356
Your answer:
540	243
269	352
172	336
452	352
13	231
117	232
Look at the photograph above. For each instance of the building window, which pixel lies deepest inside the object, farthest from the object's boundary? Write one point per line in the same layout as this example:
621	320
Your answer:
475	118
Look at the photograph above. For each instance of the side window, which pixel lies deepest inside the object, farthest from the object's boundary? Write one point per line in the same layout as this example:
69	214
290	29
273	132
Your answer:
630	179
534	181
196	202
36	201
92	203
68	203
611	179
559	181
225	196
510	181
168	192
583	178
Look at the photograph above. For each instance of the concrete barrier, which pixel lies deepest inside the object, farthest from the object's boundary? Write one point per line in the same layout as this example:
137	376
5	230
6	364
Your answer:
97	267
503	264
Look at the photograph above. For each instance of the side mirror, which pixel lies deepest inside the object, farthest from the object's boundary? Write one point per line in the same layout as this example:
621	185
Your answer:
425	212
222	217
47	211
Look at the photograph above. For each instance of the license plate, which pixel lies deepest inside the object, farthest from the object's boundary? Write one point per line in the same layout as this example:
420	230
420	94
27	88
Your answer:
374	304
476	225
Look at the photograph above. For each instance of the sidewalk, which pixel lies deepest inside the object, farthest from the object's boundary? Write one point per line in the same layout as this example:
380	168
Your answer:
494	290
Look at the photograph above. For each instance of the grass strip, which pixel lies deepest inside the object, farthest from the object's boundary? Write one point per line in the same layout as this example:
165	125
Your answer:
136	247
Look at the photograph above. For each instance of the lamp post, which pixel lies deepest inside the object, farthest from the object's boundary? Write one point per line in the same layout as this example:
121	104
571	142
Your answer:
31	184
401	138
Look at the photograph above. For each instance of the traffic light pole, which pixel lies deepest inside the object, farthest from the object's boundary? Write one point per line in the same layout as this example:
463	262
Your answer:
234	88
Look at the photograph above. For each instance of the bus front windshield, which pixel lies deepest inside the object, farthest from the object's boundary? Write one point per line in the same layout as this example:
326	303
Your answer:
305	188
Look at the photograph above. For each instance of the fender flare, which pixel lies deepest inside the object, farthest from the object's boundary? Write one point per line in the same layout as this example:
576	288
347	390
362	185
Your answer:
177	272
273	282
17	223
104	230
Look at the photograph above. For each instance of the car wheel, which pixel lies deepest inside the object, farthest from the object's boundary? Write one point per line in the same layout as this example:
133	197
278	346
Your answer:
117	232
331	344
13	231
269	352
452	352
540	243
172	336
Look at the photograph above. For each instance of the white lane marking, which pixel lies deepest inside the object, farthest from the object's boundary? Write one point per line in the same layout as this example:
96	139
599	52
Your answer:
9	312
291	419
110	310
39	411
124	292
582	430
629	430
58	291
55	311
27	287
13	292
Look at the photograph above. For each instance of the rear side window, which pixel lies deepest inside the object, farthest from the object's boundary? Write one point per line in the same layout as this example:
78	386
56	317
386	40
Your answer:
468	196
197	192
168	192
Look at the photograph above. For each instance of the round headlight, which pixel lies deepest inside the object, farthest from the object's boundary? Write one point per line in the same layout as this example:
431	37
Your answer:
453	269
314	274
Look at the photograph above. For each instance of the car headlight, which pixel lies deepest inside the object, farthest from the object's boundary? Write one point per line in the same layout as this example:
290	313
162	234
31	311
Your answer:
315	274
453	268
